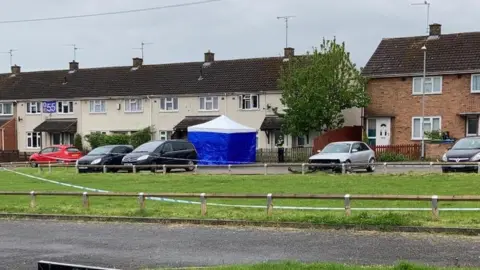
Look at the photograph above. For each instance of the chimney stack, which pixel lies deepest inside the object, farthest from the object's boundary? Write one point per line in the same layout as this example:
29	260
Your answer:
289	52
15	69
73	66
137	62
435	29
209	56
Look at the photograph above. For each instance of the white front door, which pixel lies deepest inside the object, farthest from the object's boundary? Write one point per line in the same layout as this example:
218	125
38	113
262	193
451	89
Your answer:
384	126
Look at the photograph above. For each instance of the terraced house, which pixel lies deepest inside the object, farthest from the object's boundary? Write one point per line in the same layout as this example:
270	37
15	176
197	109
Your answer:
451	91
49	107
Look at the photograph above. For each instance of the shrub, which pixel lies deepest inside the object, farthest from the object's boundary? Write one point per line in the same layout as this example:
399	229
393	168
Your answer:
140	137
97	139
117	139
78	142
392	157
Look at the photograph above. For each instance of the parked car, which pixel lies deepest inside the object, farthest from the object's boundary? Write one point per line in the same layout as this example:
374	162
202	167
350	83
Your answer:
464	150
169	152
56	154
348	153
104	155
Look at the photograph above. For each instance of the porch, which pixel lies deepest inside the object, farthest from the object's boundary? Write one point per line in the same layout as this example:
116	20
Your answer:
56	131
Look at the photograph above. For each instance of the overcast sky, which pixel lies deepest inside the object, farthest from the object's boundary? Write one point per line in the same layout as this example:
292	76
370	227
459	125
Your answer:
229	28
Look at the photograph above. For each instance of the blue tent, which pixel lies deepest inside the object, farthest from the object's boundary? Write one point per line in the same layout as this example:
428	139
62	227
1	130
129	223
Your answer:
223	141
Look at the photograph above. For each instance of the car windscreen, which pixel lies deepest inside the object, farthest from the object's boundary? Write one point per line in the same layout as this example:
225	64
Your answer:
467	144
99	151
337	148
147	147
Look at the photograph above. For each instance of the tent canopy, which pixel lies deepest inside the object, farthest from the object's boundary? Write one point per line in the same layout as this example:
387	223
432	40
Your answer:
221	124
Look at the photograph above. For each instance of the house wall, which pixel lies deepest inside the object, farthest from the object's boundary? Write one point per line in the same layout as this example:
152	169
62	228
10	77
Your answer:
8	137
393	96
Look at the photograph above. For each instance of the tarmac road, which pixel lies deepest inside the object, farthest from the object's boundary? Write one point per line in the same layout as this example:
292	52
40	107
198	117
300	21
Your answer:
132	246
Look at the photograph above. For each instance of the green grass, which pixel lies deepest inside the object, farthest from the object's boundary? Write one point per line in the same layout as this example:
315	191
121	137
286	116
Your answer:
324	266
407	184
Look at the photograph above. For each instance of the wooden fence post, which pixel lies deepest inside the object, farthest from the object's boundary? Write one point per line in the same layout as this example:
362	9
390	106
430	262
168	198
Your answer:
269	204
431	167
141	201
229	169
164	168
384	167
32	199
203	206
195	171
134	169
104	168
435	211
348	209
266	169
86	202
49	167
303	168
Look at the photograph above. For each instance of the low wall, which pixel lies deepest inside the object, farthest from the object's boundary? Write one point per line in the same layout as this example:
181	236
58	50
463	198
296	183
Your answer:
436	151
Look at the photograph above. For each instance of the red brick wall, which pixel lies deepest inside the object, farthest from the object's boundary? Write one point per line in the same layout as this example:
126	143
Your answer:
436	151
9	138
393	96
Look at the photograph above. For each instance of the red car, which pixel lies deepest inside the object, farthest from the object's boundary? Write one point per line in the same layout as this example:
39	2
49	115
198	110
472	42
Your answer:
56	154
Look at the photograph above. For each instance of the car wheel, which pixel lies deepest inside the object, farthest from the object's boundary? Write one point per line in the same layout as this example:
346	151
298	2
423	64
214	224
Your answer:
191	166
348	166
33	164
153	169
371	165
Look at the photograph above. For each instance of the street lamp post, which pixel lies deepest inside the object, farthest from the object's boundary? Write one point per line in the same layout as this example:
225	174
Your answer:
424	49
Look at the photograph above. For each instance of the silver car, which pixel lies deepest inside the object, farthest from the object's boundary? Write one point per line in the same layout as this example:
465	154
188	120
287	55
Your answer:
349	153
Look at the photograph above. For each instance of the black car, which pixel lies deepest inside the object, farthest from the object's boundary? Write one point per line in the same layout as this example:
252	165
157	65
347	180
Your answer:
464	150
104	155
169	152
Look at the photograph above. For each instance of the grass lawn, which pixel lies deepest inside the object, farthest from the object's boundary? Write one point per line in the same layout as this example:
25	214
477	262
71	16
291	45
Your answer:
321	266
413	184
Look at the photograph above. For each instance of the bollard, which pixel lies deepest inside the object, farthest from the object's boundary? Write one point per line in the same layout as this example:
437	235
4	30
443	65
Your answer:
86	202
384	167
32	199
266	170
49	167
134	169
104	168
269	204
39	168
344	170
431	167
303	168
348	209
229	169
203	206
76	168
195	171
141	201
164	169
435	212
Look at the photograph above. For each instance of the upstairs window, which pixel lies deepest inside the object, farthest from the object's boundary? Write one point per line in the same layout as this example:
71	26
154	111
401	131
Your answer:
169	104
34	107
97	106
248	102
475	88
433	85
6	109
133	105
65	107
209	103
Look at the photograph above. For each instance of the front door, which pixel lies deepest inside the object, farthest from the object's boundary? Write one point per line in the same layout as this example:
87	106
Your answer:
384	126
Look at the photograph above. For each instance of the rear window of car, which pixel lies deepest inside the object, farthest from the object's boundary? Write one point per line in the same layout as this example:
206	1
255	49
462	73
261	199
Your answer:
188	146
72	150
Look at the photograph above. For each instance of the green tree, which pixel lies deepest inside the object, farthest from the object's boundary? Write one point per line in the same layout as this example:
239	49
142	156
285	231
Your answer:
78	142
316	88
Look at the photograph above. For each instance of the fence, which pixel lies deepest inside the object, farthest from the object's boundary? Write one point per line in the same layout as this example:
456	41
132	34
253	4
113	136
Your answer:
347	198
353	133
297	154
409	151
13	156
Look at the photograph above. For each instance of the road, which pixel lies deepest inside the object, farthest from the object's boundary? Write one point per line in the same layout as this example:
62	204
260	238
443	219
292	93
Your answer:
132	246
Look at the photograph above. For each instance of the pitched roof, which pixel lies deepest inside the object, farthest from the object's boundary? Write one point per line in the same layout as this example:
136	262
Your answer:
449	53
271	123
193	120
57	125
243	75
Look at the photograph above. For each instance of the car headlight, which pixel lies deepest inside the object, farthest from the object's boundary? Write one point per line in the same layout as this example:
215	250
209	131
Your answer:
444	157
476	157
96	161
143	157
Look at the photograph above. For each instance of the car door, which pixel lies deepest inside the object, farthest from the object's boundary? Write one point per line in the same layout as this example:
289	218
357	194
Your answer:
117	155
356	153
43	155
366	153
167	154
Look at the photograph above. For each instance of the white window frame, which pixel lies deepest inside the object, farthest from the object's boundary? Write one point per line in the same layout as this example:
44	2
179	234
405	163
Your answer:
427	79
61	103
30	136
34	104
249	98
475	117
207	99
164	134
168	100
97	102
421	126
137	101
2	108
471	83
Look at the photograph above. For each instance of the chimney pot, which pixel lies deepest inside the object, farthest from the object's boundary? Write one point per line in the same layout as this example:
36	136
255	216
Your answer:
137	62
435	29
209	56
73	66
289	52
15	69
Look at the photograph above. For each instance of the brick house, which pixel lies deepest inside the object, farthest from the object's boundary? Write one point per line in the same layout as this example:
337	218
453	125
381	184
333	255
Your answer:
452	87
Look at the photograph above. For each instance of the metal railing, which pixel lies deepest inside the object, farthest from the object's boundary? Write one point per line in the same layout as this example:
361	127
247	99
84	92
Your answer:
347	198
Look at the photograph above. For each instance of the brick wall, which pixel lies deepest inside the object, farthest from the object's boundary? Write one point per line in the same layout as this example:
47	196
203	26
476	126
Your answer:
393	96
436	151
9	138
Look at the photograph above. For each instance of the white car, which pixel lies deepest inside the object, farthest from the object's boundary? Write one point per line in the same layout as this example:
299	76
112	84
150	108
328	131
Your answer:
349	153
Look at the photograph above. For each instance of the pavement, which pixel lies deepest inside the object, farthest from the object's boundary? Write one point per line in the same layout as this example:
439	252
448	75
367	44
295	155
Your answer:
134	246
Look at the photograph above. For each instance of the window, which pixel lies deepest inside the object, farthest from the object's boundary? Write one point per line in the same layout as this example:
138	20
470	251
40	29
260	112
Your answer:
472	126
167	148
97	106
6	109
475	88
133	105
302	140
433	85
164	135
65	107
248	102
429	124
169	104
34	107
34	140
372	131
209	103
